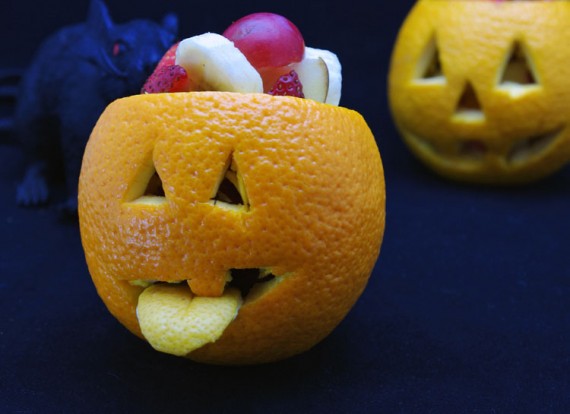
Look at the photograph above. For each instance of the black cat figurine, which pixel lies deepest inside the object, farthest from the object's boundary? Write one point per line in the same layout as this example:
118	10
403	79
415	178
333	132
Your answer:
76	73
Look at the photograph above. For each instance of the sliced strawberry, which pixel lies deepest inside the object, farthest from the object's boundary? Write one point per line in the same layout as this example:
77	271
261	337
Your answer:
171	78
169	58
288	85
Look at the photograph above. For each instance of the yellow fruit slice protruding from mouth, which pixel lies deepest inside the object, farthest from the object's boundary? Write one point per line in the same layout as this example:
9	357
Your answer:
176	322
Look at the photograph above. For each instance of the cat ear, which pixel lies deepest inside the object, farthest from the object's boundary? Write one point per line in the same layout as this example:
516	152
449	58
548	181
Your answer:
170	23
99	20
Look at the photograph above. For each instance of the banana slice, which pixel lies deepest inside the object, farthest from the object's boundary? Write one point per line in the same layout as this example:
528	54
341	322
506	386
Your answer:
215	64
314	76
334	75
176	322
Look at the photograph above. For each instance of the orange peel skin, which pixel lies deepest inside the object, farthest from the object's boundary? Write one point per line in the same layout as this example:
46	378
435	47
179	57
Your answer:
309	214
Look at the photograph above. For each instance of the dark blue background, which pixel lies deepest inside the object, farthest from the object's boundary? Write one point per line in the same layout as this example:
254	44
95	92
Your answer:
467	311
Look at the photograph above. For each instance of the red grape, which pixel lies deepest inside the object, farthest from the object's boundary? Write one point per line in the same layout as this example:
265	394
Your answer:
267	40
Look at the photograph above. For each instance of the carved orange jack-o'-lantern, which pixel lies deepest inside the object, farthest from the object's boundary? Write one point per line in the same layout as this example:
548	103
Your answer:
230	228
480	91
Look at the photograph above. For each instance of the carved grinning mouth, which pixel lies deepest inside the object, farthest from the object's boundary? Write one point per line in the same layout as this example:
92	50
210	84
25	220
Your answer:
176	322
526	149
247	279
521	152
244	280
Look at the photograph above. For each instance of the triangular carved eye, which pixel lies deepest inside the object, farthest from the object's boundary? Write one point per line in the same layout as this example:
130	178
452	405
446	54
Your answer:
147	187
518	75
154	186
429	68
469	108
518	69
230	190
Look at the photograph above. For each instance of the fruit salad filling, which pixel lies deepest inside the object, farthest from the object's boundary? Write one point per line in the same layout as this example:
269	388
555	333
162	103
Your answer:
259	53
289	85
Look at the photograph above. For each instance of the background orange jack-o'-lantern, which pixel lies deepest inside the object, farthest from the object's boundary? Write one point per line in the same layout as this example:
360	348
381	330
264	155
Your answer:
480	91
195	195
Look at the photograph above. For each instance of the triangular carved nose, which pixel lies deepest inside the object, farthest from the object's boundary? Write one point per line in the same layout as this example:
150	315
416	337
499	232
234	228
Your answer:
469	107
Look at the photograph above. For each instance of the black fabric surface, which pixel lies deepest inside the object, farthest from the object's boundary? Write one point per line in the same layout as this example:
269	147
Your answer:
467	310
